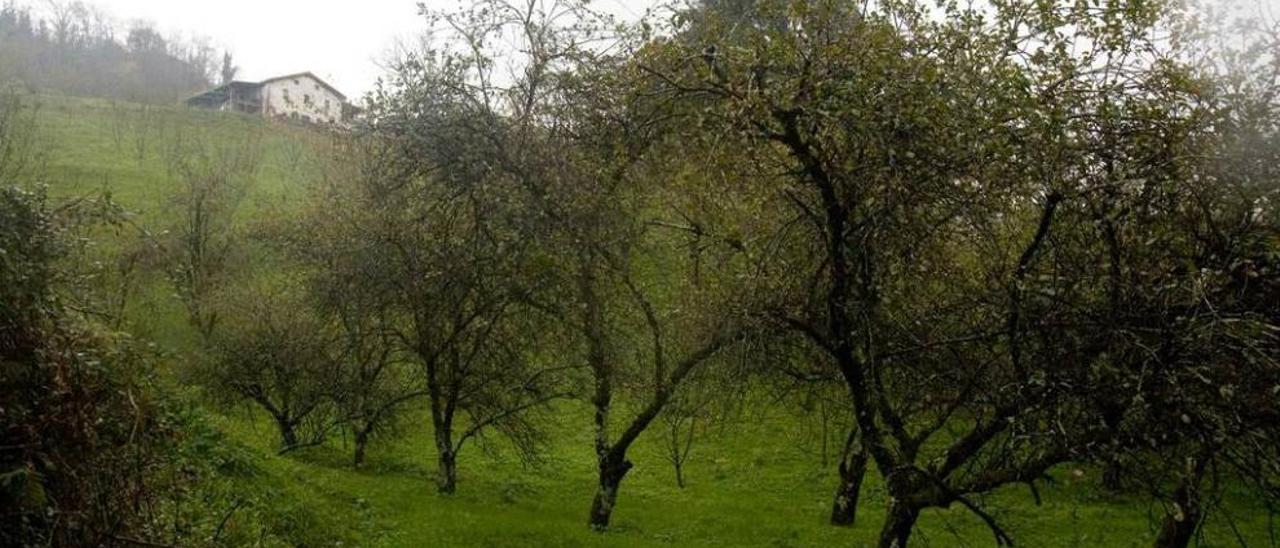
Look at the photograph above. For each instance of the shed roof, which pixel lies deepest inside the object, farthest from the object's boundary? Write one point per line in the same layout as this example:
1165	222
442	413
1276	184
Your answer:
221	93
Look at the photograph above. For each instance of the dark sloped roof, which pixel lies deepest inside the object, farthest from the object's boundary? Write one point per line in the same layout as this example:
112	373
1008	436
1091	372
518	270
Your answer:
221	93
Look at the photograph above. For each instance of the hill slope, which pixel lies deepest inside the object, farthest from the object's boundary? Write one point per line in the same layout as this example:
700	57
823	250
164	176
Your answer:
760	482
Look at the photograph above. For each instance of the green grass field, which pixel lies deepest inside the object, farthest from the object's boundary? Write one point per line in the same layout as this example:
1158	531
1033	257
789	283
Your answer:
759	481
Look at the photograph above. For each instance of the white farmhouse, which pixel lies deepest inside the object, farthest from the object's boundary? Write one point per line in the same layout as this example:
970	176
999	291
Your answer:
302	97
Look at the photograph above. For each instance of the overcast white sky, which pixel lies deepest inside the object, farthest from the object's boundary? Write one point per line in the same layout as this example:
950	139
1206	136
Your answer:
340	41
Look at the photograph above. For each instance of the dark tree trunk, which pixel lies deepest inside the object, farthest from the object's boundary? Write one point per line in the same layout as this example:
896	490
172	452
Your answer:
853	467
1112	415
899	521
362	440
288	435
679	466
1111	477
442	424
611	473
447	478
1180	525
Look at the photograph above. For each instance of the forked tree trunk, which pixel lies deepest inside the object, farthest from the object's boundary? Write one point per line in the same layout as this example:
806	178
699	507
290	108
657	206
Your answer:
899	521
611	473
853	467
446	453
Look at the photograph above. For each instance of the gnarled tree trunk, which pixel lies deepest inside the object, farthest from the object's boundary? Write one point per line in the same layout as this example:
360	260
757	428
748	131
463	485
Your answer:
447	473
446	453
853	467
1180	525
612	470
899	521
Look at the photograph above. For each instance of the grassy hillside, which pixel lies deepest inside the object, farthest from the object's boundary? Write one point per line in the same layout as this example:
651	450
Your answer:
760	481
124	146
126	150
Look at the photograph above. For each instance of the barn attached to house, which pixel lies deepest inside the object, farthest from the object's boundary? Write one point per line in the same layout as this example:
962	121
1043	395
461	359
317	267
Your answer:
302	97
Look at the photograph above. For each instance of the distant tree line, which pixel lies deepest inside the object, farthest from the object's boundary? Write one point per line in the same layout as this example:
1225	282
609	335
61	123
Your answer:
76	48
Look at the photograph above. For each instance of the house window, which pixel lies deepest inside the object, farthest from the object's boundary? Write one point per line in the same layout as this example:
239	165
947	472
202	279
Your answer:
286	96
295	81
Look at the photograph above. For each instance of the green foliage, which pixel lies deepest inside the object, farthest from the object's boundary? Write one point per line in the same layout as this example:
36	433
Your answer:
30	248
1020	246
18	154
216	491
214	176
78	423
279	357
98	448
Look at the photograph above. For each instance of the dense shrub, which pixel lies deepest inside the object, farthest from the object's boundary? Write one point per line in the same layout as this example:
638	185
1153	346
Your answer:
76	417
95	448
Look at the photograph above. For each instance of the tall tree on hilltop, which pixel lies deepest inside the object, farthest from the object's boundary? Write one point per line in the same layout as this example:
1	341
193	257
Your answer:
229	70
